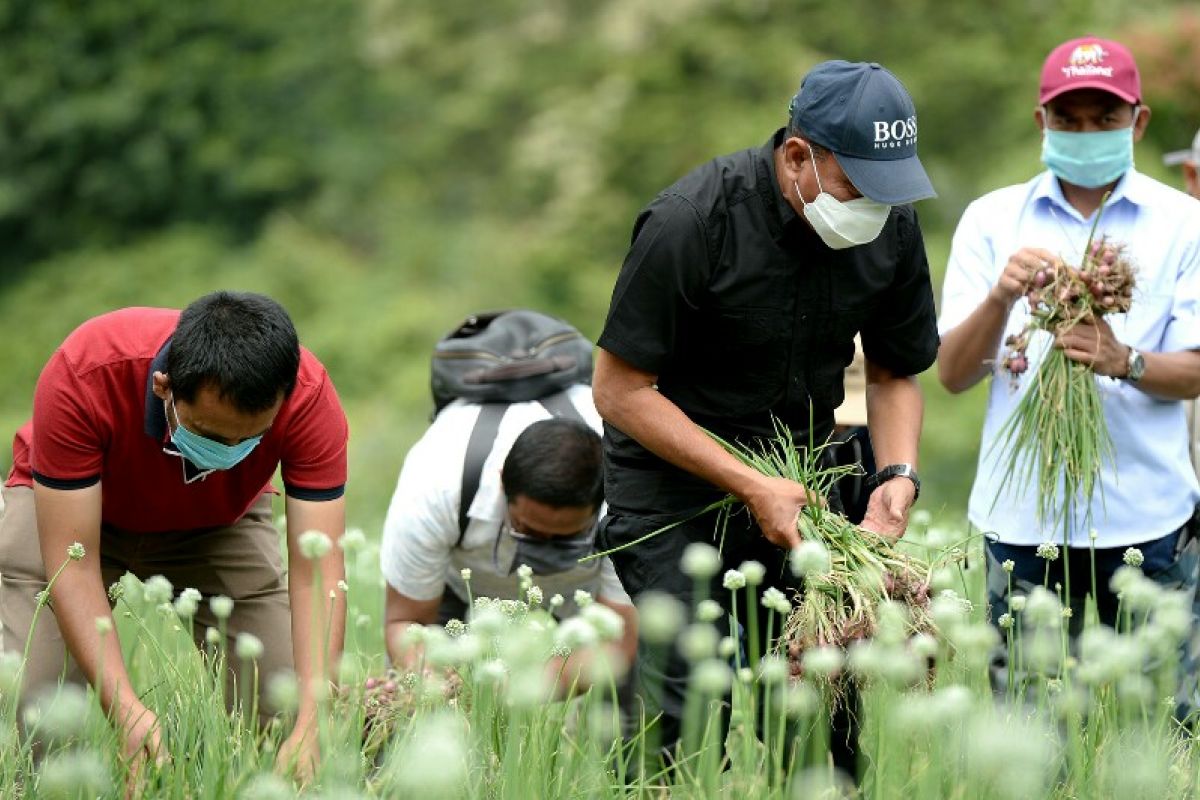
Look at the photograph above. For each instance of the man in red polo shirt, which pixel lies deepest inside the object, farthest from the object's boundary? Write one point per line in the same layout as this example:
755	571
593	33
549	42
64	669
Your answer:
154	439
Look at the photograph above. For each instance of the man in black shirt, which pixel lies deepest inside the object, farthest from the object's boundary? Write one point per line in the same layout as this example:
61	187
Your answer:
738	301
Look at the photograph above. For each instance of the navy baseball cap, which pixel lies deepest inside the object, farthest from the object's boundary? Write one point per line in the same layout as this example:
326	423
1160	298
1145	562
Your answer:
864	116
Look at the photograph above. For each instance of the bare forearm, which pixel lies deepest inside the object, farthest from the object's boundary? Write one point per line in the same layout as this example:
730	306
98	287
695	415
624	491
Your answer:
663	429
1171	376
79	599
895	408
318	622
966	351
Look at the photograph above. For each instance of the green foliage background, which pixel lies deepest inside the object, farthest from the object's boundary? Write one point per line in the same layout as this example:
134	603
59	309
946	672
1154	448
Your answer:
385	167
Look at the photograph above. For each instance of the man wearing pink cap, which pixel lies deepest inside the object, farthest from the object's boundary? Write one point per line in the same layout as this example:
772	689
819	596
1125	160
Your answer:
1147	361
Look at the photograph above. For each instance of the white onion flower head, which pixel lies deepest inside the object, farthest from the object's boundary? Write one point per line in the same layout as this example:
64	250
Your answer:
709	610
212	636
810	559
1008	565
753	571
186	605
491	672
248	647
825	661
700	561
726	647
283	691
698	641
776	601
867	659
534	595
465	574
1017	603
734	580
575	633
343	587
1048	551
157	590
923	645
74	773
1005	621
525	572
745	675
557	600
921	518
609	625
314	545
487	620
352	540
948	610
75	551
455	628
798	700
221	606
712	677
59	712
773	669
1134	557
583	598
660	616
432	761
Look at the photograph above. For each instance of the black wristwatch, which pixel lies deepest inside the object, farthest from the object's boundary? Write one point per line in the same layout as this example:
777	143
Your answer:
896	471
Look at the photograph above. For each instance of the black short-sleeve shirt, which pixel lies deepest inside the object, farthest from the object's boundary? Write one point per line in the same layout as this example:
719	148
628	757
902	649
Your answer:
743	313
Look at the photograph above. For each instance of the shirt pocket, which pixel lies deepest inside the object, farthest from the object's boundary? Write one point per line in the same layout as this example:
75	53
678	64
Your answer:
744	357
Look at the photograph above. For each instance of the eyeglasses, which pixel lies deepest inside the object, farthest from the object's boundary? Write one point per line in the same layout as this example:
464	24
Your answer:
583	534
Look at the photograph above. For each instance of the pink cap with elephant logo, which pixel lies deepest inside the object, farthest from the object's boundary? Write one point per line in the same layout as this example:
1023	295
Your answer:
1090	63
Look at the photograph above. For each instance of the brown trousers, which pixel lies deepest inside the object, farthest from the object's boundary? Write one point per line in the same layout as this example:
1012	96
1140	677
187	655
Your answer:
242	561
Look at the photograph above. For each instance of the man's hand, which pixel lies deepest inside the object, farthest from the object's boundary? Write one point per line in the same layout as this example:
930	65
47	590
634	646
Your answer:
888	506
775	504
141	743
1019	273
300	753
1094	344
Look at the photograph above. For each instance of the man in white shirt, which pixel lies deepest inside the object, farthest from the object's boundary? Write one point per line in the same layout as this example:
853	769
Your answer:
1147	361
1189	160
539	497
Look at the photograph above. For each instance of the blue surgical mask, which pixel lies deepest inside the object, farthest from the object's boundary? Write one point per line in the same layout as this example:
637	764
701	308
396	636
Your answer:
204	453
1090	160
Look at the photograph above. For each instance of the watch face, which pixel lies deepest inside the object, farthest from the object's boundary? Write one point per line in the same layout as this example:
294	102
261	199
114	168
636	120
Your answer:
1137	366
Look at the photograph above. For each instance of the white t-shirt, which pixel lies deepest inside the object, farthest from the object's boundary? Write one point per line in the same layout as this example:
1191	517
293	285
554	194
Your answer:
1153	489
421	531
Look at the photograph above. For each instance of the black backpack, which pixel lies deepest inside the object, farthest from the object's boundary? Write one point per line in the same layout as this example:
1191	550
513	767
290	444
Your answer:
502	357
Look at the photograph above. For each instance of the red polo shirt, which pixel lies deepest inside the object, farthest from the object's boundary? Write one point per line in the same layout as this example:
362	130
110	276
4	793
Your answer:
96	418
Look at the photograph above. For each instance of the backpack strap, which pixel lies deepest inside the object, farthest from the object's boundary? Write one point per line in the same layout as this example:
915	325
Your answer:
559	405
483	436
479	445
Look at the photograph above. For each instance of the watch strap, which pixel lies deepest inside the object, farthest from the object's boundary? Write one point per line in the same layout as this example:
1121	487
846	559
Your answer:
896	471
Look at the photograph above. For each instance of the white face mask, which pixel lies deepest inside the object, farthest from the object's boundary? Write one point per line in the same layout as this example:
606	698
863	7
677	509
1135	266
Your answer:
841	225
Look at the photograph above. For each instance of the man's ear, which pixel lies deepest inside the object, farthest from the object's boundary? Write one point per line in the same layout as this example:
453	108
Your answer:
795	153
1139	124
161	385
1191	177
1039	117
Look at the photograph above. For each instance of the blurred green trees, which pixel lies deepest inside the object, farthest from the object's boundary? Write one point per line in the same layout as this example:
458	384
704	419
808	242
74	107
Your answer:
121	117
385	167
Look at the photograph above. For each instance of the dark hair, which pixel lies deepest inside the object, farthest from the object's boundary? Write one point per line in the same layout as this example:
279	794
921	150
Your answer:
819	152
557	462
242	344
